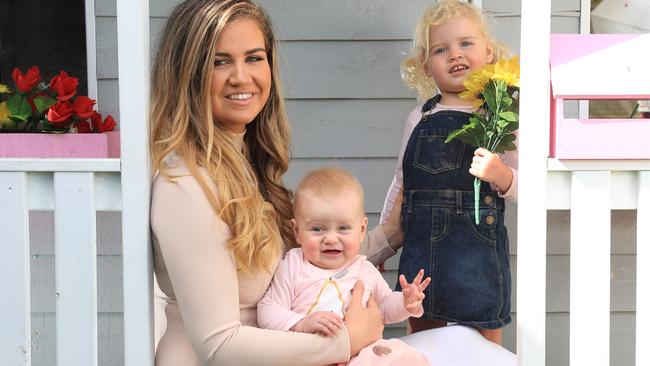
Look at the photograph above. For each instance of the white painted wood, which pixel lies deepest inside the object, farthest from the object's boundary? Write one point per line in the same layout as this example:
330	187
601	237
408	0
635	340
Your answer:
643	271
623	193
59	165
91	50
109	284
533	150
40	190
590	268
15	332
75	269
598	165
133	64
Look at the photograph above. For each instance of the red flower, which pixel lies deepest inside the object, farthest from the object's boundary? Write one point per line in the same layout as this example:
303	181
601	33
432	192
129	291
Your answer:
83	106
83	126
99	126
64	86
25	82
59	114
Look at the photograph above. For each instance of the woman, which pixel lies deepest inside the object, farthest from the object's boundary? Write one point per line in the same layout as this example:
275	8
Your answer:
220	213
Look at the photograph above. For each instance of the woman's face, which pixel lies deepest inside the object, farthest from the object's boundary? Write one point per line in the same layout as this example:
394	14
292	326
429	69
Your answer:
240	83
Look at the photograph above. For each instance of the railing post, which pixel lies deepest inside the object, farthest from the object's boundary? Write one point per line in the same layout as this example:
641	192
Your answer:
590	267
133	68
643	271
533	154
16	329
75	251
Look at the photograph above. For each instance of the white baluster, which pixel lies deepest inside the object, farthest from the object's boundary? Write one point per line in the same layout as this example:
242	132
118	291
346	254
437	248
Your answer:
75	269
590	268
643	271
16	328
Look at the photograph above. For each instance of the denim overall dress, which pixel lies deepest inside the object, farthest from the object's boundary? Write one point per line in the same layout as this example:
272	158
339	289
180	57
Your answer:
468	263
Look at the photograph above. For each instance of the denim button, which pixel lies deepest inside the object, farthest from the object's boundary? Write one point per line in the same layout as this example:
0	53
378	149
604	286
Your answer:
489	220
488	200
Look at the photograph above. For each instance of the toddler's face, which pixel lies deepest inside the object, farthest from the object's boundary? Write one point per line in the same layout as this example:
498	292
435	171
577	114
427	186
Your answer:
329	229
457	48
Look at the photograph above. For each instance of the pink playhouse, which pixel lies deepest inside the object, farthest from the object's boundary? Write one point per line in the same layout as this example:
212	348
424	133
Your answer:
599	66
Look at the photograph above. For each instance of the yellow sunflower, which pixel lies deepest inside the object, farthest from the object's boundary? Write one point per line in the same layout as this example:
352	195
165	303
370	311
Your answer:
508	71
4	89
474	87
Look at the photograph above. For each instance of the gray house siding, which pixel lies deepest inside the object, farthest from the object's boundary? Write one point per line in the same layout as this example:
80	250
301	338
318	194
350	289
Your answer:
340	69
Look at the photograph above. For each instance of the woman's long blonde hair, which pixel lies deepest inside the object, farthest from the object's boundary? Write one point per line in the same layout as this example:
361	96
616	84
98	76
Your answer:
250	196
412	68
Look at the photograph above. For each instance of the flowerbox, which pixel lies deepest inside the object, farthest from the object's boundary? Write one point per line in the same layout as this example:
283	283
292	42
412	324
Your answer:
60	145
599	66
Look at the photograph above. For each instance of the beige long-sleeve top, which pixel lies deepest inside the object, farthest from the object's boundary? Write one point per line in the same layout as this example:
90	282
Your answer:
211	310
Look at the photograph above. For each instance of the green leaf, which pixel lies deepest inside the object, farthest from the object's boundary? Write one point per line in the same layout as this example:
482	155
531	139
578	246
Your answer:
509	116
490	96
506	101
42	103
19	108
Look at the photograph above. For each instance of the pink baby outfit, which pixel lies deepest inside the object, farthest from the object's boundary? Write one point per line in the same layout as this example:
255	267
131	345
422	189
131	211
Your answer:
300	288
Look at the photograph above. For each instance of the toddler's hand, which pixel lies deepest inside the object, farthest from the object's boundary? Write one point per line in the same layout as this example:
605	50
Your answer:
413	293
323	322
488	167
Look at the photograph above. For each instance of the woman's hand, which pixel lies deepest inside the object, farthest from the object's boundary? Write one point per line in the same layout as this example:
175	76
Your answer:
365	325
393	227
488	167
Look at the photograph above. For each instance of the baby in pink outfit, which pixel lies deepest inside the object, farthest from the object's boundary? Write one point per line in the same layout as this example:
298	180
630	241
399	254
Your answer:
312	287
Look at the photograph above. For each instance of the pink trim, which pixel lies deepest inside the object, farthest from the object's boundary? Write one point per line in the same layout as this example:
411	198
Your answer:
569	47
601	139
67	145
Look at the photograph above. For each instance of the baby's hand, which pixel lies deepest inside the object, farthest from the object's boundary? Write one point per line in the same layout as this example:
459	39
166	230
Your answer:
413	293
323	322
488	167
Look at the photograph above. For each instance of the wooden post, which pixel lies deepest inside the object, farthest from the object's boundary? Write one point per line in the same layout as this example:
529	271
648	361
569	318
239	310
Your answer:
643	271
133	68
75	251
590	267
16	329
533	154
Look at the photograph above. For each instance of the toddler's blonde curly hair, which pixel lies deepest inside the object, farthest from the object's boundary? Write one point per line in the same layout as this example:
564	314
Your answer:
412	68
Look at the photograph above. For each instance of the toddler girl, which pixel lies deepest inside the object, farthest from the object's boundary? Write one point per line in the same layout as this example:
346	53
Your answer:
468	263
312	286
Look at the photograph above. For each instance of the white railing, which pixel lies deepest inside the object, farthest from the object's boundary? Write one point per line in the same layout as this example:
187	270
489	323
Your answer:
591	189
75	189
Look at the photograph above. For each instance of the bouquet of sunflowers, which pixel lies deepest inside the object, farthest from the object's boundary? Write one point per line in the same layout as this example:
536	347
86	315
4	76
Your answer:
494	90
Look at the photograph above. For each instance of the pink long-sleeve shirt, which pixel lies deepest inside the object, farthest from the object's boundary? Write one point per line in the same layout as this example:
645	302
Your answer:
299	288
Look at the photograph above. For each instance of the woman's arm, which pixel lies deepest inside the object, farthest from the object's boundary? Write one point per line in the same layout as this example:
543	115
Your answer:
202	272
384	240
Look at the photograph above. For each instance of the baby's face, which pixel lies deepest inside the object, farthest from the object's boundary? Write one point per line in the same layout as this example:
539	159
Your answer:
329	229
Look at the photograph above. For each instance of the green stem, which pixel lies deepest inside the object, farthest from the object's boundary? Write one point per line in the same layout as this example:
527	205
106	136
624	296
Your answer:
477	193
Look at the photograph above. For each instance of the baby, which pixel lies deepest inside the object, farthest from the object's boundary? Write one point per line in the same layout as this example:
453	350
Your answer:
312	287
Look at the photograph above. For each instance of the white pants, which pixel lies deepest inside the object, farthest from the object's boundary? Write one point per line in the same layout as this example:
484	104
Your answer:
458	345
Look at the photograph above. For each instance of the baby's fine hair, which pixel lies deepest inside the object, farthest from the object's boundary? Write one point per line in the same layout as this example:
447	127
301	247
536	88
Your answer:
327	182
412	68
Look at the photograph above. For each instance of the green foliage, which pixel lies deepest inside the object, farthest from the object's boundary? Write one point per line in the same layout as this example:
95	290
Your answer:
493	127
19	108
